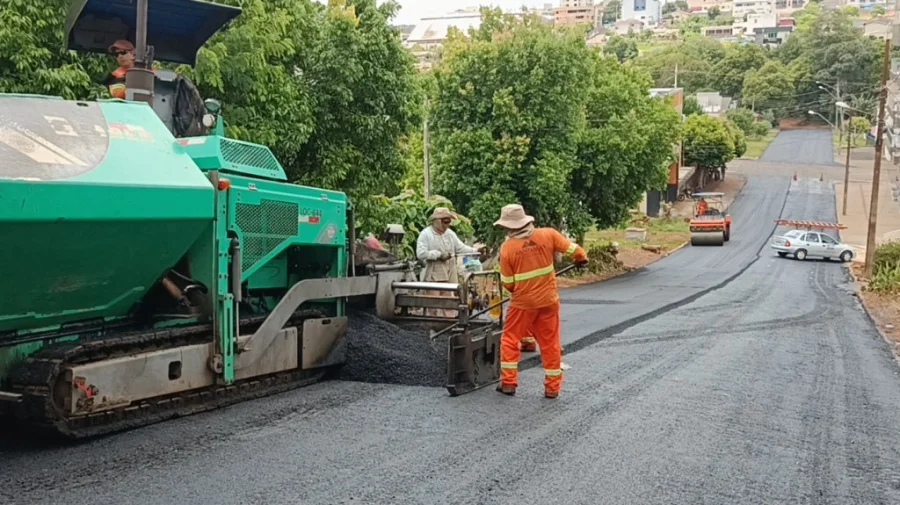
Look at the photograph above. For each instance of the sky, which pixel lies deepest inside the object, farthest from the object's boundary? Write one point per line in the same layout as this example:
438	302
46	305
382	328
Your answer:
413	10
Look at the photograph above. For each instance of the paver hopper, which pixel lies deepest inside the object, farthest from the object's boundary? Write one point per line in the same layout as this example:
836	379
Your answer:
711	224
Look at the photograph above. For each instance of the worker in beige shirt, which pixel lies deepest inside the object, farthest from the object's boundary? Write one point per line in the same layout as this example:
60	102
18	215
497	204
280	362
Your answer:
438	246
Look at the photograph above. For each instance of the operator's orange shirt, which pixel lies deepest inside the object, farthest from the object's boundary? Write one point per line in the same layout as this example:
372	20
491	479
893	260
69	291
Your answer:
526	267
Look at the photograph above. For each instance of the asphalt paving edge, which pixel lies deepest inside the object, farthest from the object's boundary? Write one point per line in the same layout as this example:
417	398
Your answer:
606	333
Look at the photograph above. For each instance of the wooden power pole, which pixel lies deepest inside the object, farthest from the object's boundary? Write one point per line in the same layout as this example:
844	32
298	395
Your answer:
876	171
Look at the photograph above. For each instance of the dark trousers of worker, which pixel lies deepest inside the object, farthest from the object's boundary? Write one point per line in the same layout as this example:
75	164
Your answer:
544	323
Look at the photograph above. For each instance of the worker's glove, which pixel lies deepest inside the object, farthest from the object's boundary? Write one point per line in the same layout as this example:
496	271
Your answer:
581	264
445	256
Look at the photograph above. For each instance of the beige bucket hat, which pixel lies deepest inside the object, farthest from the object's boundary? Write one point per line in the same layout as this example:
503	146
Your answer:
513	217
442	213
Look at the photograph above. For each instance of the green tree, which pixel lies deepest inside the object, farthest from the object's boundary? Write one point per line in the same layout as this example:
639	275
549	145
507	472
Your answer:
770	87
691	106
571	135
509	108
729	72
707	142
33	58
328	87
878	11
695	59
831	50
612	11
628	143
713	12
738	138
622	48
743	118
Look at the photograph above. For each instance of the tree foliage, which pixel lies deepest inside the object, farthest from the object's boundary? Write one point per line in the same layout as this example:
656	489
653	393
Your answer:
729	72
33	58
708	143
622	48
695	59
328	87
627	145
506	119
825	48
410	210
516	120
769	87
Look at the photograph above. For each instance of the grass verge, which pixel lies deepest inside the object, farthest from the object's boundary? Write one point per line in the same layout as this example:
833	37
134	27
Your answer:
666	234
841	141
756	146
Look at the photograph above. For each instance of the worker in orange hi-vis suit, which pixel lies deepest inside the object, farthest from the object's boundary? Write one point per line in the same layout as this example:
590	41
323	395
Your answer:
527	272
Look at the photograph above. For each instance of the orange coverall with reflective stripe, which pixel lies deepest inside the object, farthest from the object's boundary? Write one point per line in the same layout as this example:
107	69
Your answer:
527	272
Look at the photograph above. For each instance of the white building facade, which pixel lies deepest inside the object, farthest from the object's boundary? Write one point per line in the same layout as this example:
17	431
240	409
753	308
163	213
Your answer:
648	11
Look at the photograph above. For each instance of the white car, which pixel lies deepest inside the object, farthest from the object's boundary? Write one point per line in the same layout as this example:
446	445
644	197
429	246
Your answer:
802	244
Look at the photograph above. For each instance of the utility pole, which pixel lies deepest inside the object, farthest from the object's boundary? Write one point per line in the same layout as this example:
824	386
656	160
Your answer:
425	147
847	168
876	175
676	75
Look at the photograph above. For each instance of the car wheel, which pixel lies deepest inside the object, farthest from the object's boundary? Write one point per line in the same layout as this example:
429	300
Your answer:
782	254
727	234
846	256
800	254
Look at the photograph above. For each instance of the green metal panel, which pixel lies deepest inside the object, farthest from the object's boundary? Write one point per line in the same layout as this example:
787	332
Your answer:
271	216
98	201
233	157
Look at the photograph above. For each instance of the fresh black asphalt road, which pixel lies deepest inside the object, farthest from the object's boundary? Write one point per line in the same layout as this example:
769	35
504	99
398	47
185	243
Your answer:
803	147
745	379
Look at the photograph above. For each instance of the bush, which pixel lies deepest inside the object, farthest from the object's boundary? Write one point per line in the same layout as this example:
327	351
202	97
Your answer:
602	257
886	268
411	210
761	128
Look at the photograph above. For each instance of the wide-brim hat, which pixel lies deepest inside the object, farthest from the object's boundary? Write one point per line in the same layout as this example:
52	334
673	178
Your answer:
513	217
442	213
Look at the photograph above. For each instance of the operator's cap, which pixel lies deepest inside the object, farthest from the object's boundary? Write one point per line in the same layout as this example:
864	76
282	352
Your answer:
120	45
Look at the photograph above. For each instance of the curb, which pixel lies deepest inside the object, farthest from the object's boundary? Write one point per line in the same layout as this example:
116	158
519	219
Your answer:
857	293
683	244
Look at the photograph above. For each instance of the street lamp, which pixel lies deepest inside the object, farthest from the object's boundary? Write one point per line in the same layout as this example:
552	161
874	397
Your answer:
837	96
814	113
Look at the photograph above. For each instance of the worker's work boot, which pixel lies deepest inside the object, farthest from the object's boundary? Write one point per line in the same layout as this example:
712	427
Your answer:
505	389
551	394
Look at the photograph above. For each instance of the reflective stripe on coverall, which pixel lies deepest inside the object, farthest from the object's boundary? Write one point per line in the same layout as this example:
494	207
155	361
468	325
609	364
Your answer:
527	272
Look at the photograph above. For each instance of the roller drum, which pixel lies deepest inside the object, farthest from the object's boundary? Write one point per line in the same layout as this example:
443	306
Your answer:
702	238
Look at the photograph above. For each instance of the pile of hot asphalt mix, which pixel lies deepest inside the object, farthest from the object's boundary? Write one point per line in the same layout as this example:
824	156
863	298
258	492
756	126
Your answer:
381	352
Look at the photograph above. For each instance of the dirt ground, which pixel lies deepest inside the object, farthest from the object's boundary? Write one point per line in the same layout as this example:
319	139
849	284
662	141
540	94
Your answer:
805	123
884	308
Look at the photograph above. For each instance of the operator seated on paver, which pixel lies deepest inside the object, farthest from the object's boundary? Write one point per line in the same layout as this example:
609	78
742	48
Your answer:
438	246
527	272
123	50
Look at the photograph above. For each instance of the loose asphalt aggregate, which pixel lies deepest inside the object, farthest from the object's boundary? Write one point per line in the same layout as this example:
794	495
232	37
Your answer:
720	375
